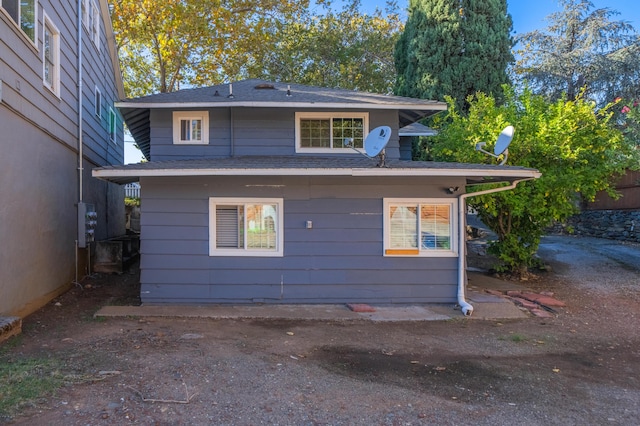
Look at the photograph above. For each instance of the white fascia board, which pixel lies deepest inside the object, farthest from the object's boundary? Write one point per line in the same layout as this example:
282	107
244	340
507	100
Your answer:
317	172
326	105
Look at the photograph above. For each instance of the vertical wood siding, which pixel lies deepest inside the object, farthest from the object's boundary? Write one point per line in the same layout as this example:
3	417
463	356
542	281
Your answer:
339	260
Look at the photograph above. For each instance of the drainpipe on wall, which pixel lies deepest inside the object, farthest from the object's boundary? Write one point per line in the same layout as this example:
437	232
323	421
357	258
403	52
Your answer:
466	308
80	141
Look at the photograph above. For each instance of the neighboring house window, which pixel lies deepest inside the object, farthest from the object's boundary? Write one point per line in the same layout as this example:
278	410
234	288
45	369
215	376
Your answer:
245	227
98	102
51	60
191	127
330	132
95	24
424	227
23	13
113	125
91	20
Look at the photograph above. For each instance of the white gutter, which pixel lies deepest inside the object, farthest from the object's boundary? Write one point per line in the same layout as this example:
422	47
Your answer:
114	173
80	142
466	308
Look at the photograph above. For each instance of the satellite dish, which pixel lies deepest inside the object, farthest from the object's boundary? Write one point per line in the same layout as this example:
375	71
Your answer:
376	140
502	145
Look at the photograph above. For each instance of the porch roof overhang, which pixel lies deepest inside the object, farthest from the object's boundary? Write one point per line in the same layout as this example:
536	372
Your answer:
313	166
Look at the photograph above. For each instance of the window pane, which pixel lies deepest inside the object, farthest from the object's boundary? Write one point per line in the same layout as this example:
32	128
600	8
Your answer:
315	133
196	130
261	226
435	226
27	17
49	47
185	130
403	227
229	227
348	128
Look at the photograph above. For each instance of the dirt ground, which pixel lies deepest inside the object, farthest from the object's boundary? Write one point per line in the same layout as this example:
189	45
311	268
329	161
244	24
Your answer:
580	367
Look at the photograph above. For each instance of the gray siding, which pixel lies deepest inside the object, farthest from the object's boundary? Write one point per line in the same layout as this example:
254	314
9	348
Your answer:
339	260
256	131
39	163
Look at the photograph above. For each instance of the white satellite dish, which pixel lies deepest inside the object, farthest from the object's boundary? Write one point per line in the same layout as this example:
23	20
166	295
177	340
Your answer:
501	146
376	140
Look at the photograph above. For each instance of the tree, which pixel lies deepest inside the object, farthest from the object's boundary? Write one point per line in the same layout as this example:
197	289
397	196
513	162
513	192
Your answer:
576	147
193	42
454	48
581	49
348	49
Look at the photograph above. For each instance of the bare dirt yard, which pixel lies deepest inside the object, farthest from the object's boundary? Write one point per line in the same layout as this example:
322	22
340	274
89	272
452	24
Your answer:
580	367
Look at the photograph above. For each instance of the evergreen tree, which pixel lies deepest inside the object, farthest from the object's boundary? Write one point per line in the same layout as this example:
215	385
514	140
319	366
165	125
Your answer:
454	48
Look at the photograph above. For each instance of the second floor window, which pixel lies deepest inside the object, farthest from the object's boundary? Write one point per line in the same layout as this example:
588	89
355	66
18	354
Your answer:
324	132
51	40
191	127
23	13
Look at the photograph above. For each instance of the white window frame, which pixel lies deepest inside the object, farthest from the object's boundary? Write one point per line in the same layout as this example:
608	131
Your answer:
97	100
113	125
330	116
86	20
54	84
215	251
18	19
178	116
420	251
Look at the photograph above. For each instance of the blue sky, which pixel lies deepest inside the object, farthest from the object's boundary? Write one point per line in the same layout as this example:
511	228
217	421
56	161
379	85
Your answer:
527	16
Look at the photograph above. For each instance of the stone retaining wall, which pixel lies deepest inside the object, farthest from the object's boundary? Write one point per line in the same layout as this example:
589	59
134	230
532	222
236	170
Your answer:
621	225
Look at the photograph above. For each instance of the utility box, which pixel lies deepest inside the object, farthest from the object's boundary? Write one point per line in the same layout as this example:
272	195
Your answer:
87	222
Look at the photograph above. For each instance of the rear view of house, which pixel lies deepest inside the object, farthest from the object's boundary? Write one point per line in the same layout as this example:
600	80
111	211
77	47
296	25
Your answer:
260	192
59	80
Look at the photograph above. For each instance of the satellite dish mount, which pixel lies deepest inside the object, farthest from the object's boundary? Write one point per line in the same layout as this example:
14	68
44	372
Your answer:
374	144
502	145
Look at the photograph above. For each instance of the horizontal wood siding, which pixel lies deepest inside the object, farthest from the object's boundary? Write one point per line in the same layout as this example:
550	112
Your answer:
339	260
256	131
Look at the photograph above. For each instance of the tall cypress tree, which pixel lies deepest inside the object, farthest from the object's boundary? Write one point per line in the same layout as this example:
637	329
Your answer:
455	48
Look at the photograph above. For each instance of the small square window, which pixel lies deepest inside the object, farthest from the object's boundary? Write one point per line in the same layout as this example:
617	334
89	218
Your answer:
191	127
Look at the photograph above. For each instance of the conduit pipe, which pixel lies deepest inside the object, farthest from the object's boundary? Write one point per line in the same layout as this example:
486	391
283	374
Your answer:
466	308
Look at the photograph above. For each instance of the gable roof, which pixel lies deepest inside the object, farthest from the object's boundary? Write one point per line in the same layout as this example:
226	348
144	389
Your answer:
312	166
265	94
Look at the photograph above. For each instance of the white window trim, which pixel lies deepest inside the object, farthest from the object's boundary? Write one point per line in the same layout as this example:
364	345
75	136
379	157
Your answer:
97	99
95	29
214	251
18	24
329	115
452	202
113	126
193	115
55	33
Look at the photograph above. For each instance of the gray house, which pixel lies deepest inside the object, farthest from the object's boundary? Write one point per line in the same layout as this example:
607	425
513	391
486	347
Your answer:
251	195
59	79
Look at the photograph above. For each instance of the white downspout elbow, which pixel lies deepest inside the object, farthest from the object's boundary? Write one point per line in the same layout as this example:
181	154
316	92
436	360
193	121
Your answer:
466	308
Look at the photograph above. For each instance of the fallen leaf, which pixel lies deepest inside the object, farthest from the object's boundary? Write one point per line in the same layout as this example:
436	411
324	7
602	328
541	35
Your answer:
556	370
290	333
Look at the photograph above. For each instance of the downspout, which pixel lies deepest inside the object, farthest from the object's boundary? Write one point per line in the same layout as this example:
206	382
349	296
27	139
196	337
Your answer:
466	308
80	141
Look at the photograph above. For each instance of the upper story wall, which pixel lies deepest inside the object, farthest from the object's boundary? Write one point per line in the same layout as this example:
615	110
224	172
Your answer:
41	85
254	131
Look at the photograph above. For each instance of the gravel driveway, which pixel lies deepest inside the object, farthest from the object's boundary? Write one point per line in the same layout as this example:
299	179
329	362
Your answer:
580	367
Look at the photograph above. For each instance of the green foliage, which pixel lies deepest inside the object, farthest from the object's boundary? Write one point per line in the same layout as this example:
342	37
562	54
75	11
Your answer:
163	46
578	150
454	48
349	49
132	201
582	49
